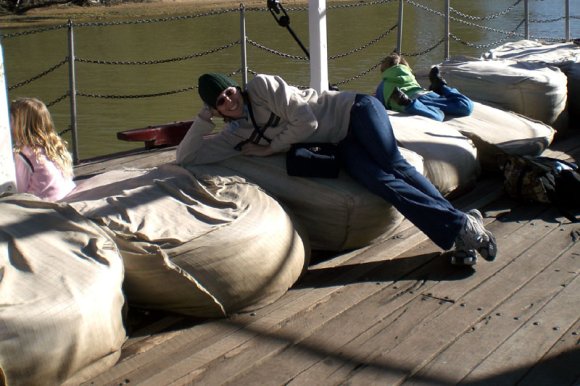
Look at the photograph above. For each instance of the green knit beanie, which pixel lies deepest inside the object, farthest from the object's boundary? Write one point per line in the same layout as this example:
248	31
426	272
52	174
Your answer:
212	85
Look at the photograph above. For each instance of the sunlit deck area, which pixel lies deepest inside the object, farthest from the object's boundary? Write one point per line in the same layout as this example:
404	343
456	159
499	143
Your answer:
395	312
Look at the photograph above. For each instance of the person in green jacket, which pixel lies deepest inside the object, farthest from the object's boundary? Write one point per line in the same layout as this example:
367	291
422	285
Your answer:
400	91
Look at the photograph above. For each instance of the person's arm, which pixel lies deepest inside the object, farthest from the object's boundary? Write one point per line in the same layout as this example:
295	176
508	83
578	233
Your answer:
199	147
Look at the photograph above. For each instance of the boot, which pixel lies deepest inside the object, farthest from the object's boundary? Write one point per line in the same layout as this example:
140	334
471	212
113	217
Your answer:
400	98
437	82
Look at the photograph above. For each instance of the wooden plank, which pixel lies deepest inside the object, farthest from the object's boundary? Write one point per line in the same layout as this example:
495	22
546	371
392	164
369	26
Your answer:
531	342
399	244
482	340
472	299
399	294
560	365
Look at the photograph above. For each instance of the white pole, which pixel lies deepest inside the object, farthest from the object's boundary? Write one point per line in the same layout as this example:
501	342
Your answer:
318	49
7	175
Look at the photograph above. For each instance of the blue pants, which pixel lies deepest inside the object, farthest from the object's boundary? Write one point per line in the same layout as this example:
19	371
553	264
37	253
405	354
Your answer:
371	156
435	106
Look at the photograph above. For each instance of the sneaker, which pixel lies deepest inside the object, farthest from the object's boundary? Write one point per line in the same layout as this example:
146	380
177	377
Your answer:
400	98
437	82
464	258
474	236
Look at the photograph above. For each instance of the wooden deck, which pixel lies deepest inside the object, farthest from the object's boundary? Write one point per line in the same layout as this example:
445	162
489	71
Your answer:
392	313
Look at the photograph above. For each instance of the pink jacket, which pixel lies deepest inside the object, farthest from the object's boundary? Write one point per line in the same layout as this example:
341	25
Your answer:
41	176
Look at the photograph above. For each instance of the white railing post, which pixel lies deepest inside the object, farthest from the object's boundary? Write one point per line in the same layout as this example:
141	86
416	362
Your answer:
318	45
7	174
243	44
72	92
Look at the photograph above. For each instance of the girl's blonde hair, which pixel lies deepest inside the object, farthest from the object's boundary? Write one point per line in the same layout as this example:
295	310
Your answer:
393	59
32	126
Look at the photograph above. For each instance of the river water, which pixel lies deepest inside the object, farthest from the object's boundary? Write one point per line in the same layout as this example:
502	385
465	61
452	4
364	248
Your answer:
136	60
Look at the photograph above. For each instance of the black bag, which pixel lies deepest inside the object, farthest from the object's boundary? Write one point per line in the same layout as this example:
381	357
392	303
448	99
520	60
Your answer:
543	179
312	160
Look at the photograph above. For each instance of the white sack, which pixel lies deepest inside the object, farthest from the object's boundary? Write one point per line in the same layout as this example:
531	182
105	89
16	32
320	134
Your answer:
337	213
60	291
205	246
565	55
535	90
512	132
449	158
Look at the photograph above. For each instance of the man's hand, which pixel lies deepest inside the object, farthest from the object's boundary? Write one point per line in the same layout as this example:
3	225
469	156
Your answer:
257	150
205	113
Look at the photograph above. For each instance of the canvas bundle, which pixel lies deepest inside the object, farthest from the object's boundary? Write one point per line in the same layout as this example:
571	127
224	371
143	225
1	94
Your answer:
544	180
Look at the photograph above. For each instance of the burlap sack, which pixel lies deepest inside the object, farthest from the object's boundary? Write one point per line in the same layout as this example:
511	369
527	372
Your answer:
60	291
449	158
535	90
205	246
565	55
513	133
337	213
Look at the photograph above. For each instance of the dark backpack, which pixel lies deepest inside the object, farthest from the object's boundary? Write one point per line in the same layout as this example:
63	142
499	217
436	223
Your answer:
544	180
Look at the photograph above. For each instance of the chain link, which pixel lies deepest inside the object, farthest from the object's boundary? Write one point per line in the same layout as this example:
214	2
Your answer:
160	61
366	45
359	75
57	100
33	31
113	96
51	69
489	17
275	52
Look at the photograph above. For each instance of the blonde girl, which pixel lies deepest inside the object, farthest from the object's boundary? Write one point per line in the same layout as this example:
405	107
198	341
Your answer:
43	163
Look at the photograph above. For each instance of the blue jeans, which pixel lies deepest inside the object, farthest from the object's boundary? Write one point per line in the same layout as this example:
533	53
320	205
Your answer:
370	155
435	106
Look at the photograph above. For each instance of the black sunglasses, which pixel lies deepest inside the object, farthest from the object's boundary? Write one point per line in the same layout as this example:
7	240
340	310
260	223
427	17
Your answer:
221	100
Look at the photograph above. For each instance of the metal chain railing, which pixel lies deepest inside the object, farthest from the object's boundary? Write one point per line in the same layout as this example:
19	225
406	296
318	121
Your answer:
36	77
160	61
458	17
365	45
275	52
488	17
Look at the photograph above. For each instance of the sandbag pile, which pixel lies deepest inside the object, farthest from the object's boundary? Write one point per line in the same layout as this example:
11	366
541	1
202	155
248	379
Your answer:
61	319
513	133
565	56
337	213
205	246
535	90
449	158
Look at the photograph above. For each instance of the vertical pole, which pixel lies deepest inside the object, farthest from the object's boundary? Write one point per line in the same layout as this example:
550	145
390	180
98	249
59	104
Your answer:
447	28
72	92
7	172
567	20
318	47
400	28
526	19
243	44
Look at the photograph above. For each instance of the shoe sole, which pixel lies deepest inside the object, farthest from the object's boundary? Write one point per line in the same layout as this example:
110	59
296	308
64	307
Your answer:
490	252
463	261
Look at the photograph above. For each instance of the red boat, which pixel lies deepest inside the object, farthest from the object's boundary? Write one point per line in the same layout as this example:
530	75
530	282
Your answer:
169	134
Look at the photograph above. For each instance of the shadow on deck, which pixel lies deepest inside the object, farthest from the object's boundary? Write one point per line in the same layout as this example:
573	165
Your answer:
394	312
